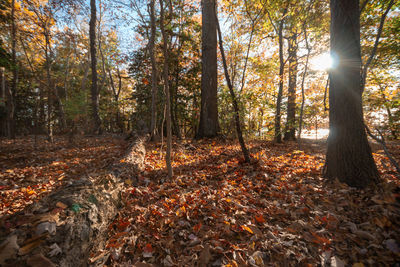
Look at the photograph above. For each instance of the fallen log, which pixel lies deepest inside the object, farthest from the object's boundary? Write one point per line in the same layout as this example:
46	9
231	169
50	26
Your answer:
64	227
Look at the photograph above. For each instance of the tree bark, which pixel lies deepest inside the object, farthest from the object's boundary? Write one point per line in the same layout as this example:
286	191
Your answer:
94	90
208	126
166	89
348	155
290	129
153	123
278	134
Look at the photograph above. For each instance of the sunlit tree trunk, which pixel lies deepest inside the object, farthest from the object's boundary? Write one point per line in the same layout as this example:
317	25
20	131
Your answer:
290	132
348	156
166	89
94	90
278	133
302	84
208	126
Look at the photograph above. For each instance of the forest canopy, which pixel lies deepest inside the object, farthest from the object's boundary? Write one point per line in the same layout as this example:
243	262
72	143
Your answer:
47	77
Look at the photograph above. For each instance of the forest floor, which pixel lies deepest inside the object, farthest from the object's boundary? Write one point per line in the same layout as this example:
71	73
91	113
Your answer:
218	210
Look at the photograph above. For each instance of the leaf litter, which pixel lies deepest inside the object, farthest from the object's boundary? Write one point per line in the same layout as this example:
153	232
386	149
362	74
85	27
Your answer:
217	210
276	211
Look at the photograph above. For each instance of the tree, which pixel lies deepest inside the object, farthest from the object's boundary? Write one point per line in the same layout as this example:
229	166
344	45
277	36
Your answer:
166	89
94	90
12	89
153	125
279	32
208	126
291	104
348	155
233	97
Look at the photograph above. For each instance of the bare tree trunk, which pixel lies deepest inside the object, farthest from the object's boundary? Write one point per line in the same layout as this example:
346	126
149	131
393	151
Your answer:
50	99
94	90
233	97
166	89
348	155
153	124
278	134
302	85
290	129
12	89
208	126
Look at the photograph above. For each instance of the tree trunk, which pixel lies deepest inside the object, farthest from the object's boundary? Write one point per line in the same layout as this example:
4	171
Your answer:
233	97
94	90
290	132
348	155
12	88
208	126
302	85
166	89
278	134
153	123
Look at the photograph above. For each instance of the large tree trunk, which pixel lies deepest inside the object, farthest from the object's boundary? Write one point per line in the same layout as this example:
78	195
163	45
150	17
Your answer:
166	89
94	90
348	156
290	132
278	133
208	126
76	217
153	123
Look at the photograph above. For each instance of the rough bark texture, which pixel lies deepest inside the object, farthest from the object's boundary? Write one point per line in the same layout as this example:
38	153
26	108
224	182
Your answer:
208	126
94	90
290	132
79	227
348	156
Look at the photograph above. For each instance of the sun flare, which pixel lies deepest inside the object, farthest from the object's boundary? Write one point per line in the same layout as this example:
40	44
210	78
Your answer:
322	62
